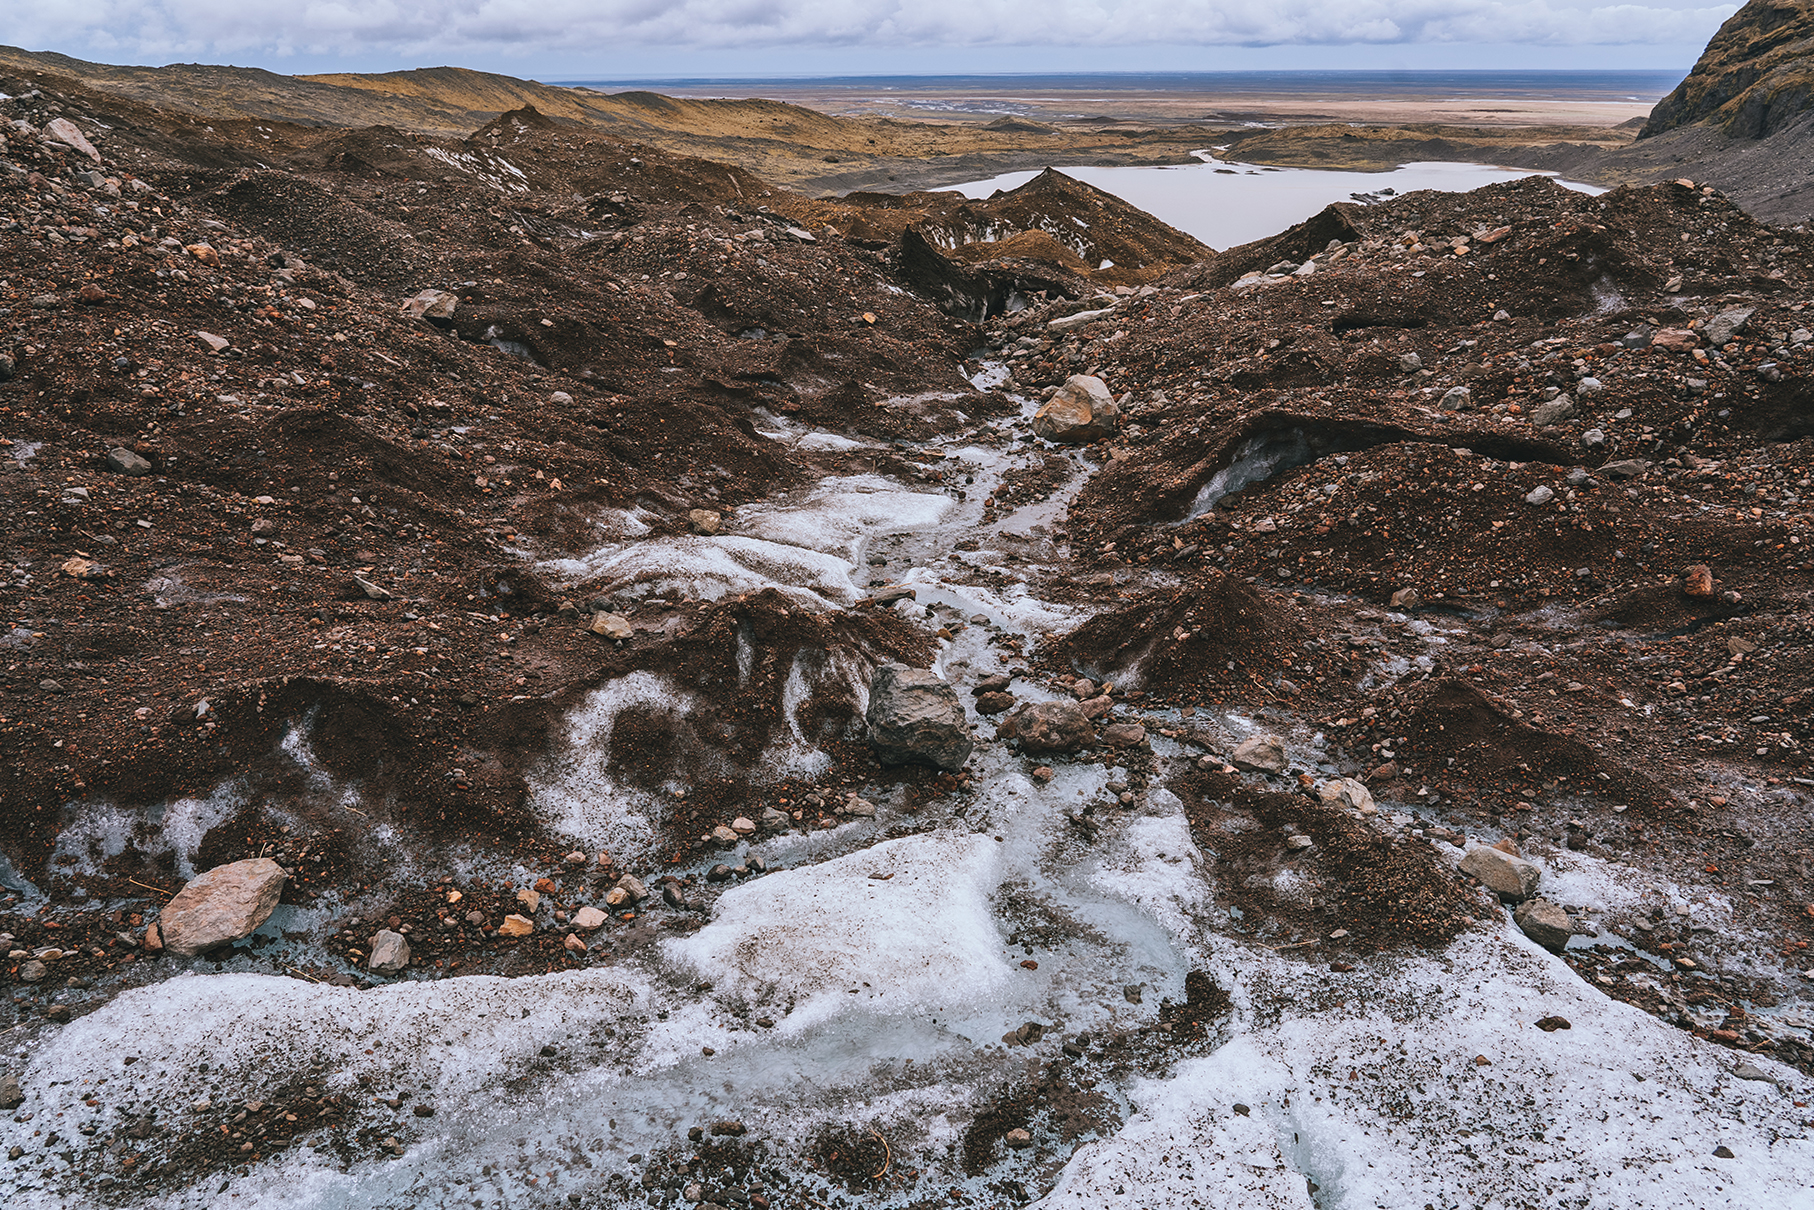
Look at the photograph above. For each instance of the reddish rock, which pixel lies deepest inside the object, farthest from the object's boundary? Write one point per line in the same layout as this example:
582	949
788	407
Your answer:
221	906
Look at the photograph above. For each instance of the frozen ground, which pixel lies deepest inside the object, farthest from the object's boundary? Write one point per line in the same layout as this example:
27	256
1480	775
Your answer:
871	983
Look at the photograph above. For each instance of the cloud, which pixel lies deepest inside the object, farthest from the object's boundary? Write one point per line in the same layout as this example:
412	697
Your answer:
452	30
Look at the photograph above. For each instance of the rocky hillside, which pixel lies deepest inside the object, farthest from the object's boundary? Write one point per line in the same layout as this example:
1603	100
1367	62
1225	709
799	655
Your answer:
1756	76
1364	671
787	144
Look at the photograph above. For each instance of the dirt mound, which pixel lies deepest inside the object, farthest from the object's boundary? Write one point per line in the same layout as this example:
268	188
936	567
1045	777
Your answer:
1383	891
1207	638
1054	236
1474	746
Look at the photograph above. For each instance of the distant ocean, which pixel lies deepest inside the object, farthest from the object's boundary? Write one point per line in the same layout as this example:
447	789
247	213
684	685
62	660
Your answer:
1573	85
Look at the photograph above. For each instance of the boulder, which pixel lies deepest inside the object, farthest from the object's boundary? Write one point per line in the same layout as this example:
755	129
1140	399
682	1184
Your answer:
1554	412
11	1095
1697	581
516	926
588	918
1674	340
916	718
1727	324
125	462
1511	878
1065	323
1081	411
1123	735
431	304
390	953
221	906
612	626
1545	923
1346	792
1260	754
1048	727
66	131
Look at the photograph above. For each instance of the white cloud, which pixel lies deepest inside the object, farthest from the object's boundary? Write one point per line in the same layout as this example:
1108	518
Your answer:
460	30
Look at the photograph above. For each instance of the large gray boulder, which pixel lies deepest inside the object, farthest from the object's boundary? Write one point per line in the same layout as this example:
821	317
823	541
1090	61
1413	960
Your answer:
1081	411
1727	324
1554	412
1260	754
1049	727
390	953
1545	923
225	904
917	719
123	461
1511	878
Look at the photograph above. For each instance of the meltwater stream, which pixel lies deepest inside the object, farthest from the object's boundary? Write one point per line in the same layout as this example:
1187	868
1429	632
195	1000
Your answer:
867	987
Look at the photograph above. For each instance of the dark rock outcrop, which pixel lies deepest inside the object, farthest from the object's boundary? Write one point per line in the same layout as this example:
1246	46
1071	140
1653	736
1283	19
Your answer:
1756	76
916	718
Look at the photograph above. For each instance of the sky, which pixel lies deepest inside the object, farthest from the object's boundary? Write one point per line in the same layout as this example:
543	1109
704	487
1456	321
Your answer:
627	39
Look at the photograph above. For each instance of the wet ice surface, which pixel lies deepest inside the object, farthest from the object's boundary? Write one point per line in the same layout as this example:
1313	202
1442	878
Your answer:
1372	1090
886	998
807	545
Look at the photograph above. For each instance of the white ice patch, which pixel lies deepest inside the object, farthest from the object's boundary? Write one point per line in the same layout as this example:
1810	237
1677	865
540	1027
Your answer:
575	794
840	515
1156	866
488	166
623	524
1012	607
1582	880
191	1040
922	937
800	437
1370	1089
99	831
708	569
806	545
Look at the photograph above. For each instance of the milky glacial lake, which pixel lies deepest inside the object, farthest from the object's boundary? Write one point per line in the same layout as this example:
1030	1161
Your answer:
1225	204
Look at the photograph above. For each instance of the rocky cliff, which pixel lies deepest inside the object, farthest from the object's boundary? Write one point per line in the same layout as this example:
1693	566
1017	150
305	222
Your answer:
1755	77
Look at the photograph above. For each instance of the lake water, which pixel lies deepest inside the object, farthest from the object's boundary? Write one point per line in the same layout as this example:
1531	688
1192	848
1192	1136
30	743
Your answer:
1225	204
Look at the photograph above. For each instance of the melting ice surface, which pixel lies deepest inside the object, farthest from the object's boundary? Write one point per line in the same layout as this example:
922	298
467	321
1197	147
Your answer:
807	545
1227	204
886	967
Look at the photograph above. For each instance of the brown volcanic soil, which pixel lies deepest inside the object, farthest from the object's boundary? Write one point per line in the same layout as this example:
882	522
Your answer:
1549	679
626	321
335	438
